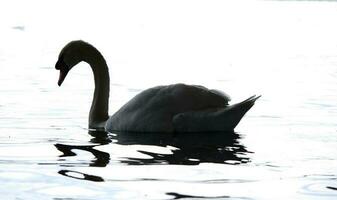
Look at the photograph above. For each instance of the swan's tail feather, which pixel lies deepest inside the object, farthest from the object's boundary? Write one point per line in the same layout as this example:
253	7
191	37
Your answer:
222	119
234	113
251	99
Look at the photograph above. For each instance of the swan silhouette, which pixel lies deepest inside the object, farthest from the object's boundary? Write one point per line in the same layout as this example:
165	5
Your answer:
172	108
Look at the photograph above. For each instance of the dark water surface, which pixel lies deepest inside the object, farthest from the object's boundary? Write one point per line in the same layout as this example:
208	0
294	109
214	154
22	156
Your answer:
284	148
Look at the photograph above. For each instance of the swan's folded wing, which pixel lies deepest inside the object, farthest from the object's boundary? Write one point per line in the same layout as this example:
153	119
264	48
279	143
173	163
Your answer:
222	94
218	93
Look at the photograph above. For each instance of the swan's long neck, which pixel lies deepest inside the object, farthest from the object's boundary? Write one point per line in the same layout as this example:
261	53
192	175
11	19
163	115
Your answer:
100	105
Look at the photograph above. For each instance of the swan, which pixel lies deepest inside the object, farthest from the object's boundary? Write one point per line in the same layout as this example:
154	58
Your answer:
177	108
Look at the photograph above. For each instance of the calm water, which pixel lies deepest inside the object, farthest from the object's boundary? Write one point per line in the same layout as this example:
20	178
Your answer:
284	148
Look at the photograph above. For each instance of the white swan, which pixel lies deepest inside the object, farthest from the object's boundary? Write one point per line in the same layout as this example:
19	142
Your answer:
172	108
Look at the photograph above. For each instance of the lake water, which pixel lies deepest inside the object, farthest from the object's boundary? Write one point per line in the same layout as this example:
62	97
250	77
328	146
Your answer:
284	148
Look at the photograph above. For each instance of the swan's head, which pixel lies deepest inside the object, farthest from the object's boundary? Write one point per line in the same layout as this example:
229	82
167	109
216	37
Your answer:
69	56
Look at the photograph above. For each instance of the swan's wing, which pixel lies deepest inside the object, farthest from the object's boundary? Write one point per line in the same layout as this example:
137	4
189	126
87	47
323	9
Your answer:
218	93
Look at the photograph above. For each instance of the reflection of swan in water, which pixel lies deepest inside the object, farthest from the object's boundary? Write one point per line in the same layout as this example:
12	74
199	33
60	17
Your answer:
189	149
172	108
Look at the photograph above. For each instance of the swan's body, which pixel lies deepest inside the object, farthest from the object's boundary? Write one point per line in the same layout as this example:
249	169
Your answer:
172	108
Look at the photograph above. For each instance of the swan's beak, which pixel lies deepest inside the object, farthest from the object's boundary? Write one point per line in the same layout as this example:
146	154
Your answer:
62	76
63	71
